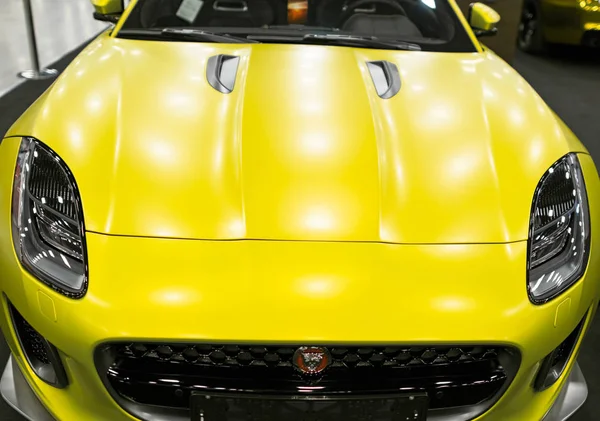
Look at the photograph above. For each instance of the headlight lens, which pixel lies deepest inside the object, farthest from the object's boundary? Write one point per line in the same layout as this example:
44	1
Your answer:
559	231
47	220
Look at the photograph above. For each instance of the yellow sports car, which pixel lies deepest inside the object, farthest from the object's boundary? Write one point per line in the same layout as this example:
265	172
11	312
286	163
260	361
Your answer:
330	210
575	22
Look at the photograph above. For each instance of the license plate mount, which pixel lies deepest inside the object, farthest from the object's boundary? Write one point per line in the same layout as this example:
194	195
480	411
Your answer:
238	407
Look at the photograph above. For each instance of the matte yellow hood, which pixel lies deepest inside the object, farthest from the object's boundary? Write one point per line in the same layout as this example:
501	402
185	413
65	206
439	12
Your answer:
303	148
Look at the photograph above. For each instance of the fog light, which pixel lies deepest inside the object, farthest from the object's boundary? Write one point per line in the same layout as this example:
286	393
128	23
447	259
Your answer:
41	355
554	364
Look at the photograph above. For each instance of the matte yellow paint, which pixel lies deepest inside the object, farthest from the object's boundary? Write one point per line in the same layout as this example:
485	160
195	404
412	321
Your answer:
47	306
483	17
108	6
256	290
302	151
562	312
417	207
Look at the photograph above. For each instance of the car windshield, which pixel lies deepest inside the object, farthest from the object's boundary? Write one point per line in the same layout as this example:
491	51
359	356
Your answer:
430	25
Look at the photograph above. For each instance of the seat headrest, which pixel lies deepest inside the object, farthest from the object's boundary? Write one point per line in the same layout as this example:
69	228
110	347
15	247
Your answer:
394	26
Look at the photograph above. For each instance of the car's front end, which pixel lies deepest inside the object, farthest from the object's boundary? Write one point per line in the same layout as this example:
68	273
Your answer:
258	230
113	346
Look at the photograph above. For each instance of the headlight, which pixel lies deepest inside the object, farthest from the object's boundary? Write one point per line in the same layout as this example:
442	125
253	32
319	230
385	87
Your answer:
47	220
559	231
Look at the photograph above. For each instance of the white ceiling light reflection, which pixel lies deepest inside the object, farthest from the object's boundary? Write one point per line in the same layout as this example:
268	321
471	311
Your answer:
488	93
46	112
453	303
469	67
312	106
236	227
162	152
179	100
318	220
320	286
516	116
315	144
438	114
541	109
93	104
173	296
316	52
75	136
165	231
307	80
536	148
558	131
429	3
463	165
218	156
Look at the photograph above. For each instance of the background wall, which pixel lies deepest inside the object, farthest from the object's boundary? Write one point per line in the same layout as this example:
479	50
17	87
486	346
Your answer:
60	25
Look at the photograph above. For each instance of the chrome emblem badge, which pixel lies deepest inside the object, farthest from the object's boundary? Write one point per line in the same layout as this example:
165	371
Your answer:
311	359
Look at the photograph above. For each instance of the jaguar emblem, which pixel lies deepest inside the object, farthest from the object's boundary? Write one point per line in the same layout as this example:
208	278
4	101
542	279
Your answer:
311	360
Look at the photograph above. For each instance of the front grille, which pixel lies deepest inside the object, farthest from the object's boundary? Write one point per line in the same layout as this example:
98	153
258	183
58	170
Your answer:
275	356
166	374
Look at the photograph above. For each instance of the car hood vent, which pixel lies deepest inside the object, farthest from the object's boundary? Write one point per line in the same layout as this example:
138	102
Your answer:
221	71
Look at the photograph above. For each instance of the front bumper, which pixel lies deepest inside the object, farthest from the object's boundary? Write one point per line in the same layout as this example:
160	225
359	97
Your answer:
333	293
17	393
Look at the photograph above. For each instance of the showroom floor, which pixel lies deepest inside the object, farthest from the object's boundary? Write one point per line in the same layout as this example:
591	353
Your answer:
568	80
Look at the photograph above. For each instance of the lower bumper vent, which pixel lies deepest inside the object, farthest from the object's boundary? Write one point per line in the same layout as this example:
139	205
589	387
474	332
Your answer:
555	363
42	356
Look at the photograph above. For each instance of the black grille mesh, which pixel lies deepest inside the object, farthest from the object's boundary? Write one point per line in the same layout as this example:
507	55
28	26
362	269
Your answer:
49	184
281	356
31	340
556	196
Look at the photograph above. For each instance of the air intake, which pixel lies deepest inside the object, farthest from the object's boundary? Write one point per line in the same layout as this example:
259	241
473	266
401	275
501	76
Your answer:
555	363
42	356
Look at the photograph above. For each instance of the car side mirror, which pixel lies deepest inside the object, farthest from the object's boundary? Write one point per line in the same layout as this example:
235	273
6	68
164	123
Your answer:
483	20
107	18
108	10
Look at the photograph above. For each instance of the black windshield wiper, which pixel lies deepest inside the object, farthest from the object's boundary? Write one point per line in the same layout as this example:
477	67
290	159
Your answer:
184	34
205	35
301	28
358	41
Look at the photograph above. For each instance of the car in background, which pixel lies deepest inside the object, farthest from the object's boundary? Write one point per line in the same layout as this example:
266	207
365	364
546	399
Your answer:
574	22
